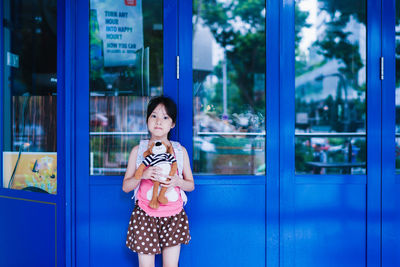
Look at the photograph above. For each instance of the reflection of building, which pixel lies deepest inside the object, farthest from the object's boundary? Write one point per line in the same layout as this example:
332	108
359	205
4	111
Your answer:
323	79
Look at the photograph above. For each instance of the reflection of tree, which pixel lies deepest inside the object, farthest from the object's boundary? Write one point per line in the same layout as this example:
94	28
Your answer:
300	23
336	44
337	20
244	45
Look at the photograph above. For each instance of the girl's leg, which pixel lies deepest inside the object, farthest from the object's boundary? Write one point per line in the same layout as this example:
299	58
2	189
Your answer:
171	256
146	260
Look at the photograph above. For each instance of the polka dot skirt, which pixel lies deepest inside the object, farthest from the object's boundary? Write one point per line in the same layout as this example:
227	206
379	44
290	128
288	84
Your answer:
148	235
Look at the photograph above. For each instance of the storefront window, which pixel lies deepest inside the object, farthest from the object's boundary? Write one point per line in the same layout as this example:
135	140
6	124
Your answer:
126	69
29	94
330	65
229	87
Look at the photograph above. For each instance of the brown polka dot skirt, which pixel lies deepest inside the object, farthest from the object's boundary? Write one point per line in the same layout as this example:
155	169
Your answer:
148	235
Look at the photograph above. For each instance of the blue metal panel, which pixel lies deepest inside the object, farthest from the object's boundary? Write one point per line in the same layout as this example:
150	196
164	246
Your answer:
1	86
330	225
69	83
227	225
28	239
272	133
170	47
390	187
109	224
373	134
61	136
185	109
81	120
286	140
331	179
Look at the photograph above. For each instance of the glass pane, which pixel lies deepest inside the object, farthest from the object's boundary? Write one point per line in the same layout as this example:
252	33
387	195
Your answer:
30	96
397	86
126	69
330	63
229	87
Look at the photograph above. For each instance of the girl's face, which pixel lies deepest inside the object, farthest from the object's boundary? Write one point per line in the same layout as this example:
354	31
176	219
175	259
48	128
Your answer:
159	123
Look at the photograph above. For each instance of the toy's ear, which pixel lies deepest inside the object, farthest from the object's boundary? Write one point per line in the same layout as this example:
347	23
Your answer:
148	151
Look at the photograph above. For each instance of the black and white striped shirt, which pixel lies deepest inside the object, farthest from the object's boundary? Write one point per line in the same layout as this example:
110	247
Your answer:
152	160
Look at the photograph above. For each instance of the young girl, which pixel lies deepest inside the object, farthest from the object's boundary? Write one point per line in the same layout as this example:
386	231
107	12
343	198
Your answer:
162	230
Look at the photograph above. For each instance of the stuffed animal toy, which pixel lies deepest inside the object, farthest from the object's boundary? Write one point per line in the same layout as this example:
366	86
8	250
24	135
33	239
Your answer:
161	155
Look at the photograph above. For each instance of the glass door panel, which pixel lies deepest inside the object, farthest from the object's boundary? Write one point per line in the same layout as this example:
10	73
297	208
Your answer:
229	87
330	68
30	96
126	69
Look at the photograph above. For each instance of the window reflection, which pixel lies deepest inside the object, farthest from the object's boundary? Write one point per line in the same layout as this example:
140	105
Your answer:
30	96
229	87
330	61
126	69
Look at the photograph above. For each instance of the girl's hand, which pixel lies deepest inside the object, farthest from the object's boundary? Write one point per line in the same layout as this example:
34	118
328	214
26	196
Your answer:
152	173
174	181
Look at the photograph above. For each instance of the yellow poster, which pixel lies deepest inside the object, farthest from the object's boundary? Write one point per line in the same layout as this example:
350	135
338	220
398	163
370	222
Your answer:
35	171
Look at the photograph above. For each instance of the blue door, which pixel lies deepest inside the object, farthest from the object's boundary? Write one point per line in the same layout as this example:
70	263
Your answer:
126	55
337	182
32	189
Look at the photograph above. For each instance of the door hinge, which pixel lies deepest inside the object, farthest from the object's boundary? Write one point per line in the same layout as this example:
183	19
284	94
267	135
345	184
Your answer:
177	67
382	75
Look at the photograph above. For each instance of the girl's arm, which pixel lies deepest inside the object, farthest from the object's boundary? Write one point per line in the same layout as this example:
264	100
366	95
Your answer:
187	183
130	182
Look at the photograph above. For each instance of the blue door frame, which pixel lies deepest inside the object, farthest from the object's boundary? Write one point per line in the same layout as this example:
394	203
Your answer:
390	180
283	197
33	224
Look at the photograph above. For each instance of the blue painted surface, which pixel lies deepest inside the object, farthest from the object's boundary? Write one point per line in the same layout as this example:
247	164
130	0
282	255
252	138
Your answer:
286	139
374	136
69	81
330	225
61	134
227	225
272	134
185	90
27	233
81	145
109	224
390	181
170	47
1	84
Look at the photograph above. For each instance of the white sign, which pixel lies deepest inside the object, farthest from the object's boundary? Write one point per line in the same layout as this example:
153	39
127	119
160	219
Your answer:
121	28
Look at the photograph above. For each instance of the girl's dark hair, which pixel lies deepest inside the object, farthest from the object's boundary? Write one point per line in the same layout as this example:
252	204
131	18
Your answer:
167	102
169	105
